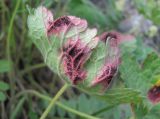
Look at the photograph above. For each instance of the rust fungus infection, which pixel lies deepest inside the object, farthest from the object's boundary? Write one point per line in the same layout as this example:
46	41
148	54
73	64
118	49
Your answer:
110	67
105	77
75	55
58	25
154	93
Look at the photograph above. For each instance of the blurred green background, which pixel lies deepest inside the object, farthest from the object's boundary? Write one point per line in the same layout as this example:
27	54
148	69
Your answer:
22	68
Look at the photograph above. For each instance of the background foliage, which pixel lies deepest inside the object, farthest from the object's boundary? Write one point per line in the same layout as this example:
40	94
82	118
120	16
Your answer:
22	69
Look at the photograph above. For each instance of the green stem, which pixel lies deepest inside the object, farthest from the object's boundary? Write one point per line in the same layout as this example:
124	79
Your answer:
33	68
10	29
17	109
44	97
53	101
103	110
8	52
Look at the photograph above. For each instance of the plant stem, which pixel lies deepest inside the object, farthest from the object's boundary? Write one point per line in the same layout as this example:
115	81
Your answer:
10	29
8	52
132	109
17	108
76	112
33	68
103	110
53	101
44	97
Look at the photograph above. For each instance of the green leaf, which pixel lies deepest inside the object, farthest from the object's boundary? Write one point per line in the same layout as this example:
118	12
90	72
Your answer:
48	46
153	113
71	103
152	62
36	23
2	97
84	103
145	63
121	96
3	86
140	110
48	3
37	29
151	67
132	74
92	105
138	70
95	62
141	50
5	66
116	112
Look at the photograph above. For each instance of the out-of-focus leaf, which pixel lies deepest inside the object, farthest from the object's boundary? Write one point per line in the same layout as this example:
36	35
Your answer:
140	110
2	97
87	10
32	115
120	4
71	103
94	15
154	113
151	67
83	105
150	9
113	15
141	51
4	66
3	86
48	3
61	112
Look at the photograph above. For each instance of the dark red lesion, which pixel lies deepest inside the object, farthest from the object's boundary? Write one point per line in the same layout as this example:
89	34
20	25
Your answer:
108	73
106	76
63	21
75	55
107	35
154	94
110	67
